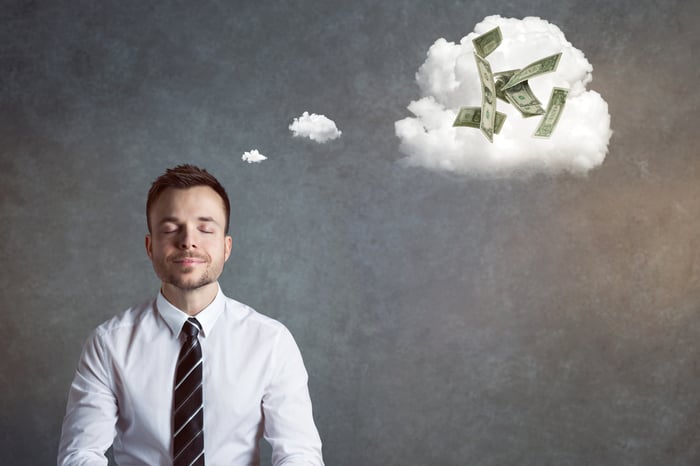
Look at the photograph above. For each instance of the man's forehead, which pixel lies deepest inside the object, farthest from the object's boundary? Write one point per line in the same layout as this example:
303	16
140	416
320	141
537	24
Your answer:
202	199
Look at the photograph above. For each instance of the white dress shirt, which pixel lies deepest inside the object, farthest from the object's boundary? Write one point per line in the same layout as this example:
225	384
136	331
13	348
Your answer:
255	384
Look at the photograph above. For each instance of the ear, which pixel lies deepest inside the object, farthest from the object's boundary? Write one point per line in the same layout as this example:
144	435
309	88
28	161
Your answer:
228	241
149	246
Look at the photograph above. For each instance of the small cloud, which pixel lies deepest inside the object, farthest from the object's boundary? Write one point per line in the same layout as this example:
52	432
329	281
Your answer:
253	156
448	80
318	128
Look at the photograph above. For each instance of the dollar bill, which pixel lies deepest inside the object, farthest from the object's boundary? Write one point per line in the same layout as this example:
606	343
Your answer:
555	107
488	42
544	65
522	98
488	97
471	117
500	79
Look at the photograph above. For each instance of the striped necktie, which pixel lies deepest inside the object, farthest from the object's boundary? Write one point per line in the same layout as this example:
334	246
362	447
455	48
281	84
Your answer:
188	412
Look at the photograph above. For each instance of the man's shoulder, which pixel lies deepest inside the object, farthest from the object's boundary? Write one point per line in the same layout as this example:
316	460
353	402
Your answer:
247	316
127	319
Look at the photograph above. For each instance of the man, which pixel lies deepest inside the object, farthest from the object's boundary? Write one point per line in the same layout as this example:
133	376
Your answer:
191	377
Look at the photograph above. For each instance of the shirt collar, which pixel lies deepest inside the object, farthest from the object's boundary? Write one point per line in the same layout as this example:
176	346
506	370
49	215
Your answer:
175	318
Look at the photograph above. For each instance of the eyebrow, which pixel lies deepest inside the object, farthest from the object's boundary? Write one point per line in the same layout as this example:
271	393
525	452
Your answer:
177	220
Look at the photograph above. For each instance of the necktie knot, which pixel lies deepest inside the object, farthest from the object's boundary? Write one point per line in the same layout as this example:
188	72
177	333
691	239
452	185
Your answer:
191	328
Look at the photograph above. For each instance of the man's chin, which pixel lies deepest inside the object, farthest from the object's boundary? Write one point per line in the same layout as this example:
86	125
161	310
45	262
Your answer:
189	285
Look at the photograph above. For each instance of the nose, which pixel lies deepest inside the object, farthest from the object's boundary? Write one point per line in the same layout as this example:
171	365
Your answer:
188	239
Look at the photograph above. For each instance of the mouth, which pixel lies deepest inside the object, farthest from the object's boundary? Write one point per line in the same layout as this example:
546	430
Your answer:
189	260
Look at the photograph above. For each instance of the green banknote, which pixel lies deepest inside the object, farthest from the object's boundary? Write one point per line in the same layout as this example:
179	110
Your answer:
500	79
488	97
544	65
522	98
471	117
488	42
555	107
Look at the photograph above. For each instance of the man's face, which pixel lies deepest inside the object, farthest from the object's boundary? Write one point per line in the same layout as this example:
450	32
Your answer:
187	243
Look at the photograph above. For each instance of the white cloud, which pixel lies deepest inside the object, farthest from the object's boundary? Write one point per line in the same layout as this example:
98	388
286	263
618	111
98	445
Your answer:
318	128
448	80
253	156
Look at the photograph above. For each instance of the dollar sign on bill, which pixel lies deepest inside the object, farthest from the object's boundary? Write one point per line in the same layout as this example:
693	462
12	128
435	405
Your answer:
487	42
555	107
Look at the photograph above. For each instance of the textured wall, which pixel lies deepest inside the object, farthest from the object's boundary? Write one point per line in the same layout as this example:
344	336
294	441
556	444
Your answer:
443	320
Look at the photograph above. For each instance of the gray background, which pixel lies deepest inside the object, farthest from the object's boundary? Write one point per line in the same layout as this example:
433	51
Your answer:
443	320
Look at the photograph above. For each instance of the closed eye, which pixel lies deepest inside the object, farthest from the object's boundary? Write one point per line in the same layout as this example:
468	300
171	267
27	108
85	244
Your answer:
169	229
206	227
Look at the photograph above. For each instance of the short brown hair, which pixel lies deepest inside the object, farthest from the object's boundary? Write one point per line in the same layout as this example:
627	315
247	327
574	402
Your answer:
183	177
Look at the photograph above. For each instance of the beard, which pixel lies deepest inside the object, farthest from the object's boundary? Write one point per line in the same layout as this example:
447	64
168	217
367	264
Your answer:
181	278
187	284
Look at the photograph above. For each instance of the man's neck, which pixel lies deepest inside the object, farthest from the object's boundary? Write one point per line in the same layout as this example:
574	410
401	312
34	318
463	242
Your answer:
190	302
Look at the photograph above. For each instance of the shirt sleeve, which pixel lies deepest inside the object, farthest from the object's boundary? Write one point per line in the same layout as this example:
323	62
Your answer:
289	424
91	414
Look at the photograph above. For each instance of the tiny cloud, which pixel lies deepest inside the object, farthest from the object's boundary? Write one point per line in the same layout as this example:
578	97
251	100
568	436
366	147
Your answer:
253	156
318	128
448	80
